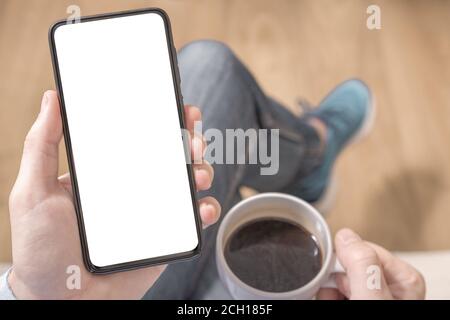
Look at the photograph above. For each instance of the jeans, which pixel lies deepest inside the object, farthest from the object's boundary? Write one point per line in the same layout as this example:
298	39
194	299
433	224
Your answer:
214	79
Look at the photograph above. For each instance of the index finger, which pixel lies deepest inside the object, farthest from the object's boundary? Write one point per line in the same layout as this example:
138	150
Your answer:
191	115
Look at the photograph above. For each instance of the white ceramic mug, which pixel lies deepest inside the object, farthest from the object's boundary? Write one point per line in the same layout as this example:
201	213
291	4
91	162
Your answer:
277	205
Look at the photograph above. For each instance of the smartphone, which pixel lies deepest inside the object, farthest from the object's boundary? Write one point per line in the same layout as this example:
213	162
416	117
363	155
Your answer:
122	112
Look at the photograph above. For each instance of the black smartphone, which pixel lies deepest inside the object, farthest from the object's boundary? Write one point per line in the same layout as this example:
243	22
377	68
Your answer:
122	111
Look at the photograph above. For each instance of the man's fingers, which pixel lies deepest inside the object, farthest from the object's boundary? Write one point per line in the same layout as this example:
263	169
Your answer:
198	147
329	294
192	114
197	143
362	265
39	165
343	283
404	281
204	175
209	211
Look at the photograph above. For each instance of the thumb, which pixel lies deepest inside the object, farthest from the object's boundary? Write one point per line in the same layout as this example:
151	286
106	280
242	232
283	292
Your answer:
39	165
365	278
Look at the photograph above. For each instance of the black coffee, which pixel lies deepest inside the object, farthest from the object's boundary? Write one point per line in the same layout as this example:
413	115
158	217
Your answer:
273	255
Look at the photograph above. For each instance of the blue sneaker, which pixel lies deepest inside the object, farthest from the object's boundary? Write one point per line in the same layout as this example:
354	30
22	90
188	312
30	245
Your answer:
348	113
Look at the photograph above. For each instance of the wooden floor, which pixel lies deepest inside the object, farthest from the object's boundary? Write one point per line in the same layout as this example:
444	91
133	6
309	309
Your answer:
394	186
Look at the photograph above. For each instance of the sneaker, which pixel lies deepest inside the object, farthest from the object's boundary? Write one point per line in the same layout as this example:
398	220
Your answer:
348	113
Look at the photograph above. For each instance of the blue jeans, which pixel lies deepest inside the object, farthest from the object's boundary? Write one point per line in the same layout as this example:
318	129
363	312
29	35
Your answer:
214	79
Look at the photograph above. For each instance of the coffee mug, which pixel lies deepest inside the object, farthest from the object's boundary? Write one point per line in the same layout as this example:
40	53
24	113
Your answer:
285	207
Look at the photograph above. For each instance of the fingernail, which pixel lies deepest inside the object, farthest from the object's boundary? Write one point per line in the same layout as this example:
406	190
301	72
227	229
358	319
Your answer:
205	206
348	236
198	171
44	102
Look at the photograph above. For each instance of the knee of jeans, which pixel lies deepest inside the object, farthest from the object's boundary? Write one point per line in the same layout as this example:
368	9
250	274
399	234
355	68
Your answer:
204	52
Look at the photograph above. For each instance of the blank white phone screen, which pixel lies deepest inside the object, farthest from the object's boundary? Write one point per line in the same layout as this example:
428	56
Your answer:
126	140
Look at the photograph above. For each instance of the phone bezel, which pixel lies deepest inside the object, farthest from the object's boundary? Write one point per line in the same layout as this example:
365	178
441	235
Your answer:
131	265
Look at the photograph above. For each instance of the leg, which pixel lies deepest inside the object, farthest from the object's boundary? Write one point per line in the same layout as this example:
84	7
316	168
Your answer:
216	81
231	98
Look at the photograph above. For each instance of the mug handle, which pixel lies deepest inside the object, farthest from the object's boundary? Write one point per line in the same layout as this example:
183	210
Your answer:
337	268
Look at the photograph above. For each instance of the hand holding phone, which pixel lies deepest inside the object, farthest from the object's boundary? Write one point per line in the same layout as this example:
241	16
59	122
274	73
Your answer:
119	89
47	258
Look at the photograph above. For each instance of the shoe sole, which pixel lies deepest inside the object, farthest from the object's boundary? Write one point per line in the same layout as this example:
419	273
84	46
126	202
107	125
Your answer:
327	200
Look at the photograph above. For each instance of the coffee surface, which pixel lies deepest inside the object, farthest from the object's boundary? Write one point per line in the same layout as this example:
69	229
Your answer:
273	255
